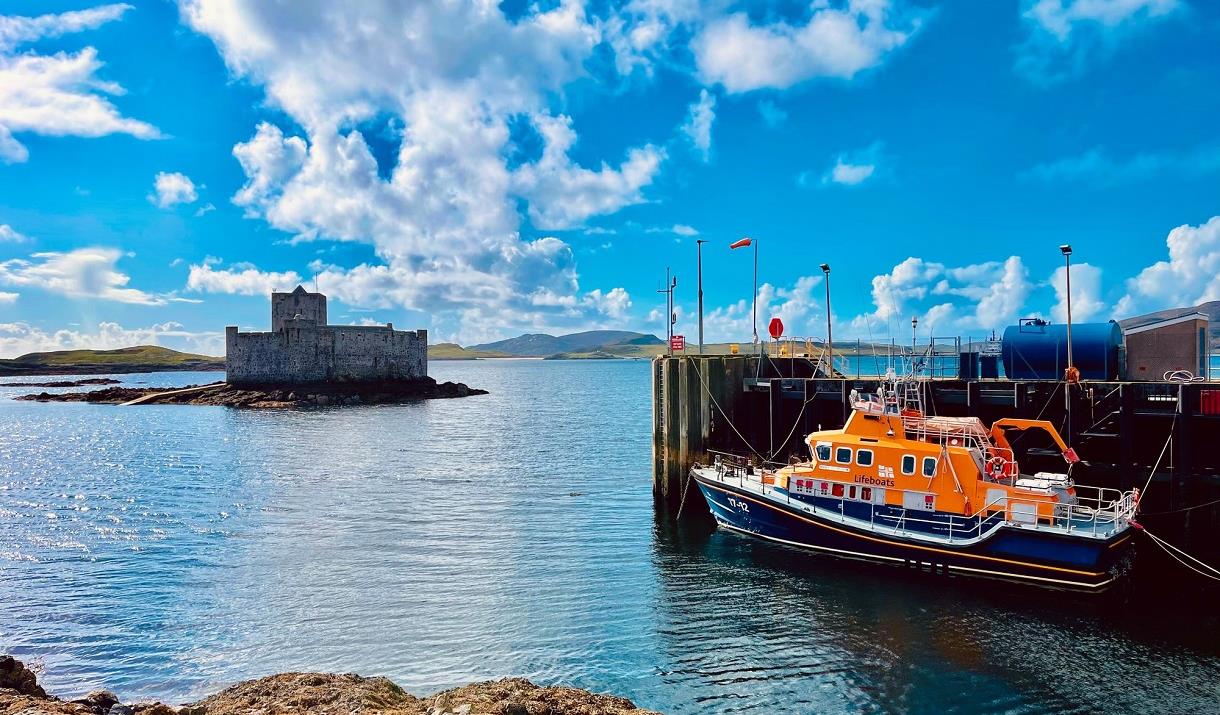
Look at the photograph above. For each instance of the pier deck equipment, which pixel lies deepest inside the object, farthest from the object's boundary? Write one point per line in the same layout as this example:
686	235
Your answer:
734	404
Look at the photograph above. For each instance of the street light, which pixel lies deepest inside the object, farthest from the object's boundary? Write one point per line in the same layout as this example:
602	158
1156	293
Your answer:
699	251
1066	250
830	343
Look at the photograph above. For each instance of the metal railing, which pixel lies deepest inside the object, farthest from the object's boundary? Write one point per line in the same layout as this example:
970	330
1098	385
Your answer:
1100	511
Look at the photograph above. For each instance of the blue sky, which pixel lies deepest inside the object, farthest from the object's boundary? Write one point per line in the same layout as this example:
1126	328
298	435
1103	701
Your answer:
485	170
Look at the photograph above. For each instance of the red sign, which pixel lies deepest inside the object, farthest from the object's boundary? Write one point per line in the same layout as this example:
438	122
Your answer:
677	343
776	328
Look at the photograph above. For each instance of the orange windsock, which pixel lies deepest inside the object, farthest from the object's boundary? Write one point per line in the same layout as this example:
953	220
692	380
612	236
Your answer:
740	244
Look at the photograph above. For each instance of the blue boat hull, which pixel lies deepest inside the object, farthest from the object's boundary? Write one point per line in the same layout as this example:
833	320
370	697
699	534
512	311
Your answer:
1047	558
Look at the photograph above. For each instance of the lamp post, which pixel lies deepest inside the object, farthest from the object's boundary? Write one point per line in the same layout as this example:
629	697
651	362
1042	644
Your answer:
1066	250
830	343
670	318
914	324
699	253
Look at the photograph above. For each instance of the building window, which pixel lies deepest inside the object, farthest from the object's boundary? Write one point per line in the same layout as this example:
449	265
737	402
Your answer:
864	457
929	466
823	452
908	464
843	455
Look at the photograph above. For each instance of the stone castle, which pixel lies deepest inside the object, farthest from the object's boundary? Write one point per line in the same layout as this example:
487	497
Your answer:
301	348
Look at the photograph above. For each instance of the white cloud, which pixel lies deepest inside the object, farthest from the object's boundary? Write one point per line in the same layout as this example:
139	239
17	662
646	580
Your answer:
562	194
10	235
240	279
172	188
698	127
1087	303
20	338
80	273
614	303
1098	168
1064	36
8	298
683	230
853	168
984	296
771	113
18	30
796	306
835	42
445	220
60	94
1190	276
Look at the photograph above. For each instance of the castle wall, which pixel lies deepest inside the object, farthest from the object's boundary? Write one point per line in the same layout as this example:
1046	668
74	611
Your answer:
304	352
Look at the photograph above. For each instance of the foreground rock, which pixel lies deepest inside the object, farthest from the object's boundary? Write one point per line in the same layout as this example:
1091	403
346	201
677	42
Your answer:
321	694
64	383
228	395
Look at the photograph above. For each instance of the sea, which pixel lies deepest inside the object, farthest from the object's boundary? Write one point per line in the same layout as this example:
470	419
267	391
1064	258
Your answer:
166	551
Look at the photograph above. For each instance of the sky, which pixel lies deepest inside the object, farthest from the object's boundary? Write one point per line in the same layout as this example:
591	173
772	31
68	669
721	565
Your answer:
487	169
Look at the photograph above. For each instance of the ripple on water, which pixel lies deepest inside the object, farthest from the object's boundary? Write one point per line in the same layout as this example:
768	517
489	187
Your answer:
166	550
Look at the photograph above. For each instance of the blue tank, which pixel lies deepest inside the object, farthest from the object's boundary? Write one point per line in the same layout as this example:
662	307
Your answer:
1037	350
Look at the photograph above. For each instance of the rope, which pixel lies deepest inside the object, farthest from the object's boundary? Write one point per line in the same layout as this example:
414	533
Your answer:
1211	572
682	503
703	382
1182	376
1164	449
1177	511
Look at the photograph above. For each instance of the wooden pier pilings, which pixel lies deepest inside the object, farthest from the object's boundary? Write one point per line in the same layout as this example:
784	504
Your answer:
763	408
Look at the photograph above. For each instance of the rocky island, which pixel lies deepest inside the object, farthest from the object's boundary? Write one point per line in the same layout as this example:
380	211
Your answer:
319	694
271	395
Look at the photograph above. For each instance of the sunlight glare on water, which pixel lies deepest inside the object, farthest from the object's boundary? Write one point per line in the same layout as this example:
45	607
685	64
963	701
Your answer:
166	551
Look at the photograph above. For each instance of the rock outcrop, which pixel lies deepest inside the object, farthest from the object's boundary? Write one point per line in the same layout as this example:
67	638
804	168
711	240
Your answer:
321	694
326	394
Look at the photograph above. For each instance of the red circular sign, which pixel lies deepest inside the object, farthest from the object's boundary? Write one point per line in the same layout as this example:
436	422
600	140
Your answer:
776	328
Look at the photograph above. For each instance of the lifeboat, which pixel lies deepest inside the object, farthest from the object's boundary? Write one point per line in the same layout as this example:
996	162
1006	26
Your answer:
943	494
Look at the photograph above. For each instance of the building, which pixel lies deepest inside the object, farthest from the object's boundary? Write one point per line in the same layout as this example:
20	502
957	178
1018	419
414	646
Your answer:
1167	345
302	348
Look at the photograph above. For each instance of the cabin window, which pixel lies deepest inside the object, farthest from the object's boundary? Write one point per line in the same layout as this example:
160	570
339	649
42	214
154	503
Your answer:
866	493
929	466
864	457
823	452
824	488
843	455
908	464
837	490
851	492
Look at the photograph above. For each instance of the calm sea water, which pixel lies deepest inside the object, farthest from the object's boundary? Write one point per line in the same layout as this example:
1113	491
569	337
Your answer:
165	551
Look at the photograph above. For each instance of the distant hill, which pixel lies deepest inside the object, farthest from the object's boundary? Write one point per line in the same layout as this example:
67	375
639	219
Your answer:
590	341
453	351
142	358
1211	309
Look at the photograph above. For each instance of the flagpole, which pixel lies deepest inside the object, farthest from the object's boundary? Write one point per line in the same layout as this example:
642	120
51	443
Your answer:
756	291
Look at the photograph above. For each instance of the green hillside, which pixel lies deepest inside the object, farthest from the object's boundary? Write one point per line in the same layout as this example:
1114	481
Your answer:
453	351
142	358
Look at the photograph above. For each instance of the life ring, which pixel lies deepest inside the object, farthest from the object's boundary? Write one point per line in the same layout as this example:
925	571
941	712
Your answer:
996	466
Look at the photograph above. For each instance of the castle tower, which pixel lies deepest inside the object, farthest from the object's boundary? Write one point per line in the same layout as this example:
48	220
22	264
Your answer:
300	302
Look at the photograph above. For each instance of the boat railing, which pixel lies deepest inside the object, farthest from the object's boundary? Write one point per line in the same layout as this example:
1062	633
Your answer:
1099	511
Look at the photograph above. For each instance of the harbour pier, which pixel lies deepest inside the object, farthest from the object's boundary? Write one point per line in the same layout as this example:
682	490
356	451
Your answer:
761	408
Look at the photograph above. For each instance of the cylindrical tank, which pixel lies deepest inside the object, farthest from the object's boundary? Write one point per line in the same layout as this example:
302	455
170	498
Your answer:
1037	350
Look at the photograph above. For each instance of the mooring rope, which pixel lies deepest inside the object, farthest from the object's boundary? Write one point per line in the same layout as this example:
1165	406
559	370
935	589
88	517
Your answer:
1211	572
682	502
703	382
1179	511
1168	441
